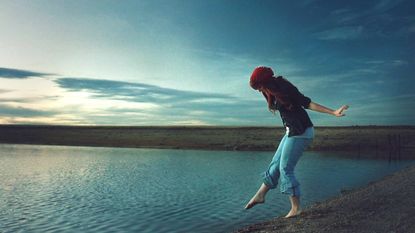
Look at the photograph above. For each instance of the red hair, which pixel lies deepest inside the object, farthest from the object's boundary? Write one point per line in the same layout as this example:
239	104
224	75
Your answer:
264	77
260	77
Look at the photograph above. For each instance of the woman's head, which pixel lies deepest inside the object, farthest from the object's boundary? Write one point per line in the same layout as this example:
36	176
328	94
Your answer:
261	77
263	80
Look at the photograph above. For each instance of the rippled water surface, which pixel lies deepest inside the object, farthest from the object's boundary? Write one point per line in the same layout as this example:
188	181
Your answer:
86	189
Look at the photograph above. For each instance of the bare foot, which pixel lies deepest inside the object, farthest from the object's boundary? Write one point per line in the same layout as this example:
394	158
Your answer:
293	213
257	199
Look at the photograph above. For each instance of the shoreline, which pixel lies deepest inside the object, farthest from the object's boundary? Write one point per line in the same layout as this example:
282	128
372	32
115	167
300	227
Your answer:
386	205
383	142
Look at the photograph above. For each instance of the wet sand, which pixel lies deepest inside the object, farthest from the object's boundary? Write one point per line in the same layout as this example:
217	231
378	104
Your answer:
387	205
384	142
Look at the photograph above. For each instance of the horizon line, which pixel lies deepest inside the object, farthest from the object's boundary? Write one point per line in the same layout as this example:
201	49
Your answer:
196	126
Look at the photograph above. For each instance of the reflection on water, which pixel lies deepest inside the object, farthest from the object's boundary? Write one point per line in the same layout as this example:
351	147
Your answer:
81	189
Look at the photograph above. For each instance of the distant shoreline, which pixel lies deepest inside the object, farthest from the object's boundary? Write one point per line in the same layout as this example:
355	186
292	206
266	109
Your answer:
396	142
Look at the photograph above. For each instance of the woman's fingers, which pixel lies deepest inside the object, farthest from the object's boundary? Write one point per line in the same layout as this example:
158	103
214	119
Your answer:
341	109
345	107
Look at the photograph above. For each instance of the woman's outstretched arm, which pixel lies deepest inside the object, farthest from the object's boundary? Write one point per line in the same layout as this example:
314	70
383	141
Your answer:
320	108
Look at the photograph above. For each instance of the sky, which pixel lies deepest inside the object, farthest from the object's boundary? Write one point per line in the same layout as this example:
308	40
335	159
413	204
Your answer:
188	62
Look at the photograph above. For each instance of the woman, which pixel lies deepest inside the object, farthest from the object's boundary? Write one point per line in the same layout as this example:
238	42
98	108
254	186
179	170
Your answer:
283	96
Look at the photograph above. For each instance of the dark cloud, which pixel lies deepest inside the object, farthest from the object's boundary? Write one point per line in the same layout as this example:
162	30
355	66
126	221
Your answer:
27	100
137	92
6	110
19	74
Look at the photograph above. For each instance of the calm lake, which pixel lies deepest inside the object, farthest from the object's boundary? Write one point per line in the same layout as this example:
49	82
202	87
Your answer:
87	189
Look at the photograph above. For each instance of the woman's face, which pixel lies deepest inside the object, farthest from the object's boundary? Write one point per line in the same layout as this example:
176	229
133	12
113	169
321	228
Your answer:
261	89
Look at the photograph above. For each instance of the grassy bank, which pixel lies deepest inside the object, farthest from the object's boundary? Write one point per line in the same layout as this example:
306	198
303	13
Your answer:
373	141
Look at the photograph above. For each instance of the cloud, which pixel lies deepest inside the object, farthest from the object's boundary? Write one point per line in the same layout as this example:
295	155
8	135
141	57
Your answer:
344	16
396	112
4	91
341	33
380	20
19	74
177	106
385	5
137	92
6	110
27	99
241	112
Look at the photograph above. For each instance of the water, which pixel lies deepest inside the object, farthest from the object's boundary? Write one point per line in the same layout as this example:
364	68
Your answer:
86	189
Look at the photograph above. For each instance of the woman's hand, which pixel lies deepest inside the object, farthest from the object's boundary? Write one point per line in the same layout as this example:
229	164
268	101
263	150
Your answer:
340	112
320	108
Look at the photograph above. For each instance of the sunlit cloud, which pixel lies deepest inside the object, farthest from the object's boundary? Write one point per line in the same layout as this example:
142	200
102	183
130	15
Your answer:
172	105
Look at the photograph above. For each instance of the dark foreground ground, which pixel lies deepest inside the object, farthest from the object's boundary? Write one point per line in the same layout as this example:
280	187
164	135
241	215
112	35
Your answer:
384	206
384	142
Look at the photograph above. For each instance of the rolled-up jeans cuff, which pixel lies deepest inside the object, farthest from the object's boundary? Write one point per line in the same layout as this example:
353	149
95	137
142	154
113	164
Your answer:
267	180
292	191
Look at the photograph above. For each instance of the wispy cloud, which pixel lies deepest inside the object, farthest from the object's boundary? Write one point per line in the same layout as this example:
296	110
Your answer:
373	109
19	74
343	16
385	5
7	110
138	92
341	33
16	100
354	22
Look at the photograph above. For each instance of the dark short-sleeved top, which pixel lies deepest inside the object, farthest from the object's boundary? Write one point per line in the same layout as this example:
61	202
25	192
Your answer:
297	119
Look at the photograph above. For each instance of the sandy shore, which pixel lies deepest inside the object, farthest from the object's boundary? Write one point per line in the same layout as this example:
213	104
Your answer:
384	142
386	206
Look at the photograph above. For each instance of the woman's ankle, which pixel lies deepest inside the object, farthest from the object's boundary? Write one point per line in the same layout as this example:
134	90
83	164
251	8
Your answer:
295	203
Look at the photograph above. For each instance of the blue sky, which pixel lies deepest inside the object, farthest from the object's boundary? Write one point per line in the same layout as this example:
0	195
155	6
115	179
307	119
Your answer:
188	62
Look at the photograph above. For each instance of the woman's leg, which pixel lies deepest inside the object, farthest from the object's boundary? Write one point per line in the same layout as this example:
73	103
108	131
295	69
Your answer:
292	151
295	207
259	197
270	177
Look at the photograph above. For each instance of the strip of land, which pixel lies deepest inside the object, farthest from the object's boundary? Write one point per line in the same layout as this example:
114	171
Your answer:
387	205
393	142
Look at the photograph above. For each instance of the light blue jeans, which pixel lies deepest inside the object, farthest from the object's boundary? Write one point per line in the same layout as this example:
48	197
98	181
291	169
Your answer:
283	163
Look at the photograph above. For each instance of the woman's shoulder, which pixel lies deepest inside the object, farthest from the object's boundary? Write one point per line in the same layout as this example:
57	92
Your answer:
284	85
